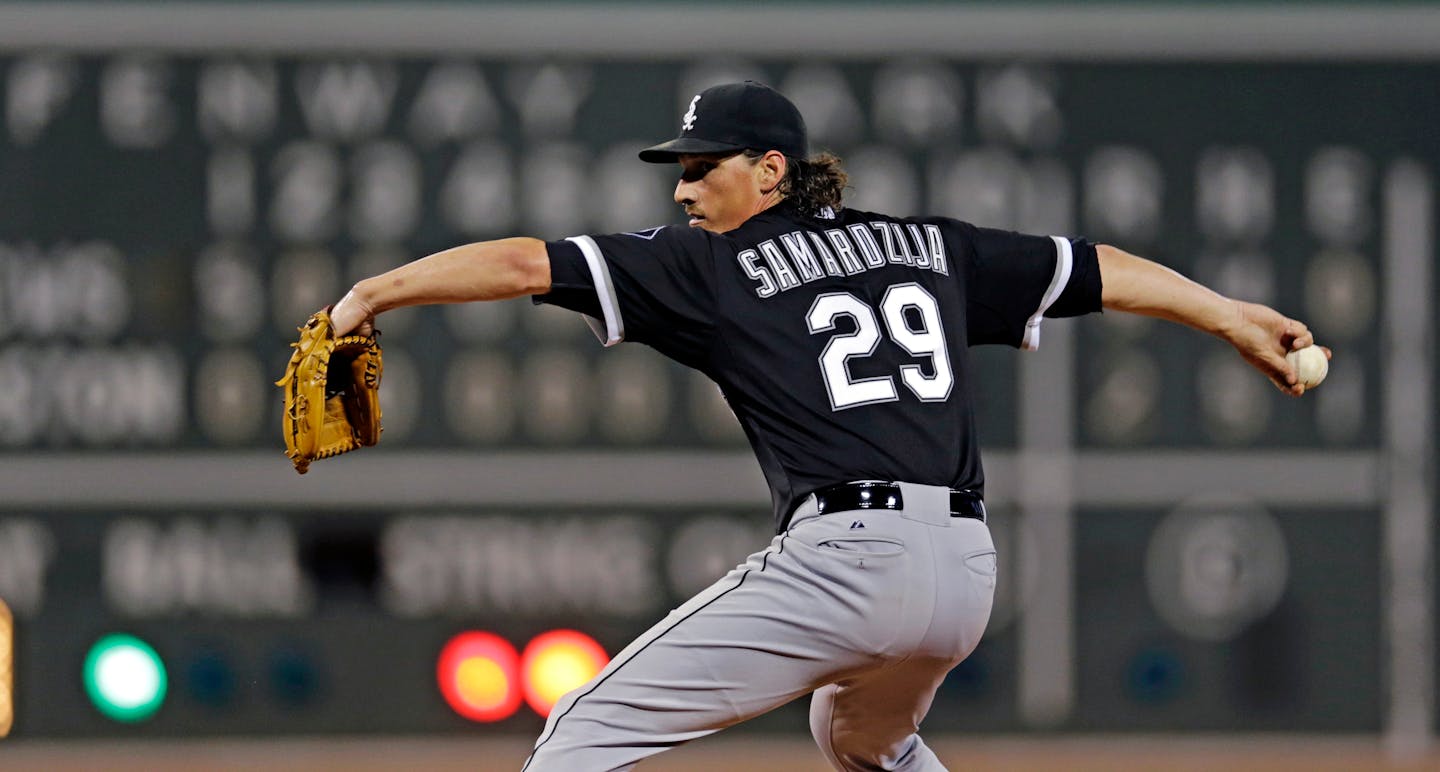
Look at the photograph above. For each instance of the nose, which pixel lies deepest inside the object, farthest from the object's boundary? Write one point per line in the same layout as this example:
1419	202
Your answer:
684	193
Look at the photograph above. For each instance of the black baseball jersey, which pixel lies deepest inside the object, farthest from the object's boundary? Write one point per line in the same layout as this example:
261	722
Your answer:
839	342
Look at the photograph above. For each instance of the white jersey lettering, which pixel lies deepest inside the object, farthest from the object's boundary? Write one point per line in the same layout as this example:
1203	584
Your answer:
826	258
803	256
938	261
749	263
843	250
869	247
783	272
805	261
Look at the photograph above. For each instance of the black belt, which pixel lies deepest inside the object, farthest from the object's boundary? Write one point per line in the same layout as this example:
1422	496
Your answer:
845	497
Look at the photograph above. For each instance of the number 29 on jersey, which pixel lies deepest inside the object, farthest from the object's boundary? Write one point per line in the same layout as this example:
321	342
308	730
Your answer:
919	333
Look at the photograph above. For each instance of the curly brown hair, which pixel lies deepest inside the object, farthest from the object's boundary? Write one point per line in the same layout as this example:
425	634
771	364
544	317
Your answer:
814	184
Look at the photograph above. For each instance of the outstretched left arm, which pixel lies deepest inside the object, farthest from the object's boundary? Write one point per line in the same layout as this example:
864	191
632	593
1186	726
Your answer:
486	270
1261	334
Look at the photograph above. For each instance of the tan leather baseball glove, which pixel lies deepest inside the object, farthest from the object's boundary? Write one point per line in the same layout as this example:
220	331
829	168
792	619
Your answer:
332	393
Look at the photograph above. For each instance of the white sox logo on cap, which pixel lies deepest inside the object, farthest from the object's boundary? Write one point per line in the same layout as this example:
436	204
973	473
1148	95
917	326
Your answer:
737	116
689	116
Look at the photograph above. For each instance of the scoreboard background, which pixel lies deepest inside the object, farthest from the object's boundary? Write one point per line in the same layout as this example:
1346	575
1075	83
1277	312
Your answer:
1185	550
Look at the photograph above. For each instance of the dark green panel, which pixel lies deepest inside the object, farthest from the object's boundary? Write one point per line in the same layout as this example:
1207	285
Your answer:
1308	660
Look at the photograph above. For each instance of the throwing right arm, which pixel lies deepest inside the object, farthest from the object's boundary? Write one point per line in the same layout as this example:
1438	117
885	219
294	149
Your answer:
1261	334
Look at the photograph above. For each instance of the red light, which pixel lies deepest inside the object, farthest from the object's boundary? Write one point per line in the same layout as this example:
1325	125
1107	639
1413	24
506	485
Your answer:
556	663
478	674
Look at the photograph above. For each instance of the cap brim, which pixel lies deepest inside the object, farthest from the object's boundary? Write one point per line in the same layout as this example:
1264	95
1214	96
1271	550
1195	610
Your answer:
668	152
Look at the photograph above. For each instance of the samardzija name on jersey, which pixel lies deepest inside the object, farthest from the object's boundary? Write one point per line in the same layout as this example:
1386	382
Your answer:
803	256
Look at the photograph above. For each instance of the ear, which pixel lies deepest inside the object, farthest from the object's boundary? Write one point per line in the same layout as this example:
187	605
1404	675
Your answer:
770	170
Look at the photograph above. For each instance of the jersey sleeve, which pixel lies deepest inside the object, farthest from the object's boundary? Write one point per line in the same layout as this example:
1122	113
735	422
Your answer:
1015	281
654	287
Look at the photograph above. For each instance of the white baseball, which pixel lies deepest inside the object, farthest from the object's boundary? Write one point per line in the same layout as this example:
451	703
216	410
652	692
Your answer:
1310	365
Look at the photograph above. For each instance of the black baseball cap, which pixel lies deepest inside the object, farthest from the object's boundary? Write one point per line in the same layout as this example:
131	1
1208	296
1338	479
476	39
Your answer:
735	116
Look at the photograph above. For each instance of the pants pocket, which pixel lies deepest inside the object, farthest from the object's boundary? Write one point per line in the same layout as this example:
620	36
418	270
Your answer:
982	562
863	546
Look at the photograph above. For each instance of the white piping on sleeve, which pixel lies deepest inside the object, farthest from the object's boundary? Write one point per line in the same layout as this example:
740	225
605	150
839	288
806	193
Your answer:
612	329
1064	263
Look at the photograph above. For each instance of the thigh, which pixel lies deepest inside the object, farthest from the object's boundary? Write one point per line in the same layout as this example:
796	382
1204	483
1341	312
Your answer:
871	721
754	640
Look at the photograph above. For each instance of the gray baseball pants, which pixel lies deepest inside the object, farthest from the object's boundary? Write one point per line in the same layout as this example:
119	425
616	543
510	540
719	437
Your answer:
867	609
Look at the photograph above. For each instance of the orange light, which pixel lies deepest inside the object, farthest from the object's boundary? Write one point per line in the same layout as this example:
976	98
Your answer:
7	675
478	673
556	663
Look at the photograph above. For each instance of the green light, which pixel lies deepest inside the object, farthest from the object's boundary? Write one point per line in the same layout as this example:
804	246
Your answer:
125	678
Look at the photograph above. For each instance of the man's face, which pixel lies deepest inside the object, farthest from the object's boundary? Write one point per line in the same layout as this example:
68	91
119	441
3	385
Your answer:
720	191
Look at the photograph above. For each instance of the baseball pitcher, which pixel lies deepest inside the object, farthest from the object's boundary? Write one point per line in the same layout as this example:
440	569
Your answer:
840	339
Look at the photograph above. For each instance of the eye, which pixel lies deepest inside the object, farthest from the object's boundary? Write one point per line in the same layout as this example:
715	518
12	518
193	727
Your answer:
696	171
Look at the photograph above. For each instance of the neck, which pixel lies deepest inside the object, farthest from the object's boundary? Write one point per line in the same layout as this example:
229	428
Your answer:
768	201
